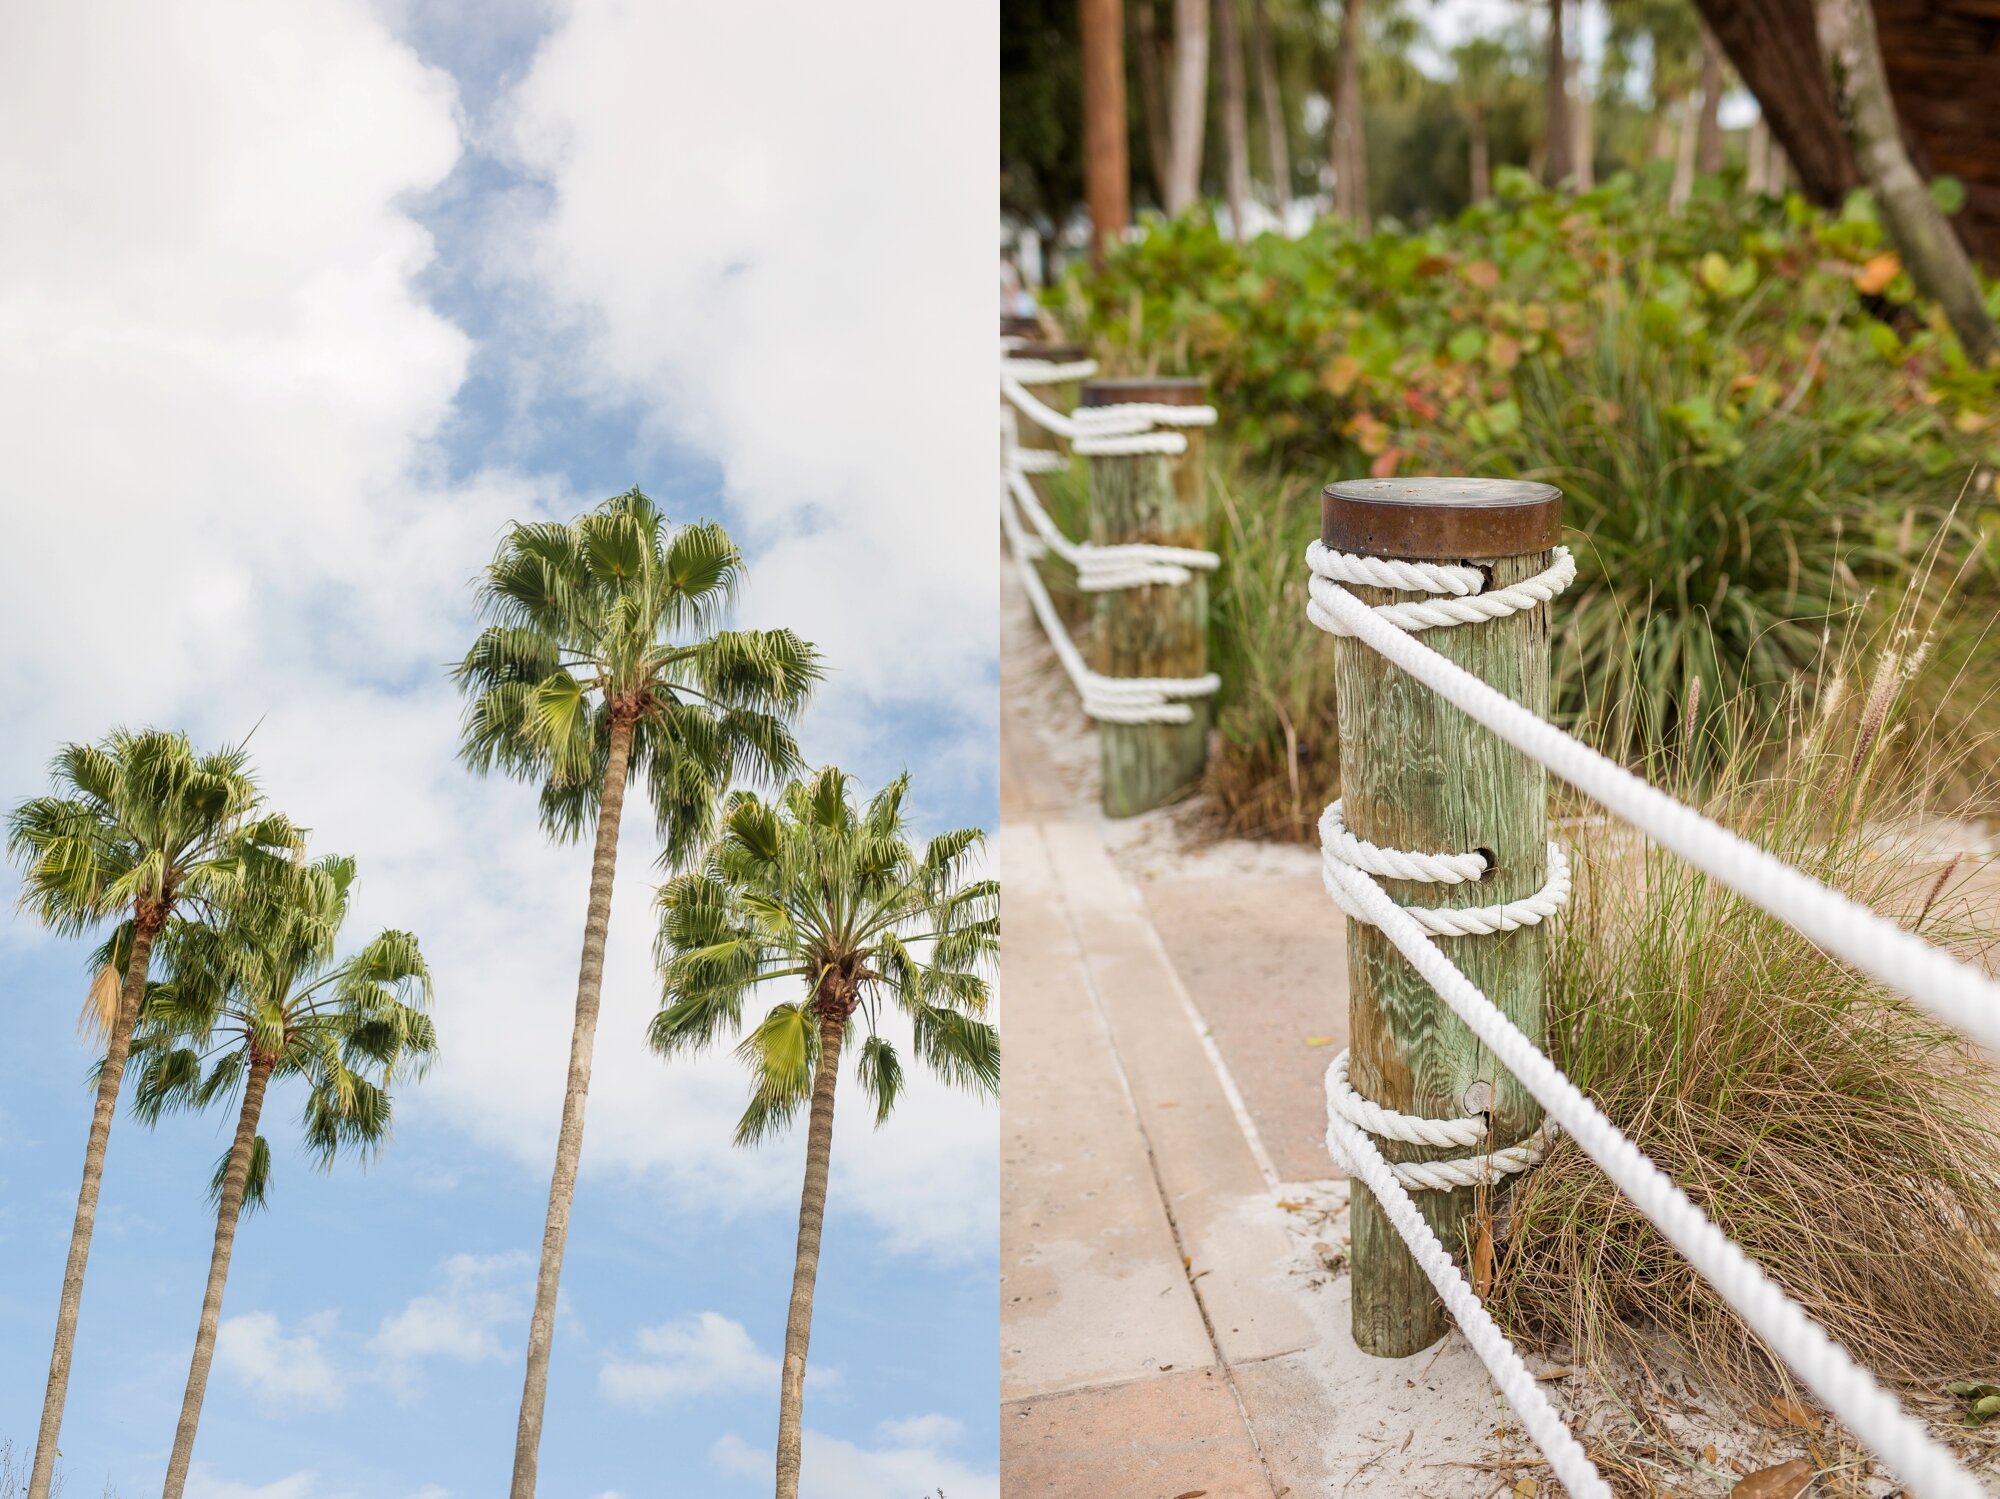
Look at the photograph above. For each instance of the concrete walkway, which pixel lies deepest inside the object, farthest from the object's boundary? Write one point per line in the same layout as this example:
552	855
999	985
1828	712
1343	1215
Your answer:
1173	1311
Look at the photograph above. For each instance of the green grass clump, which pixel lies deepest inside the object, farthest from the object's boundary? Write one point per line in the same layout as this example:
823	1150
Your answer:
1847	1141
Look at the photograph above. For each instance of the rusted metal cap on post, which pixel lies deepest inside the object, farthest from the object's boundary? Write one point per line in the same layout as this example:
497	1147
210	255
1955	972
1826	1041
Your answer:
1149	390
1015	325
1439	520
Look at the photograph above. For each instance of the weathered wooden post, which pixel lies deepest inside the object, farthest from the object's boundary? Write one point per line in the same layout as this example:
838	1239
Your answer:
1160	630
1061	394
1020	325
1416	774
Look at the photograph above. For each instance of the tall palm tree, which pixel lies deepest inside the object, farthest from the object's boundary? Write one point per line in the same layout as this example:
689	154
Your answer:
603	660
134	832
1481	66
810	889
259	998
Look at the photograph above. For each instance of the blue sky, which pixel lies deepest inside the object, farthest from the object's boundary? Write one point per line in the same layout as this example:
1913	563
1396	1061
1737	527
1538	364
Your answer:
317	295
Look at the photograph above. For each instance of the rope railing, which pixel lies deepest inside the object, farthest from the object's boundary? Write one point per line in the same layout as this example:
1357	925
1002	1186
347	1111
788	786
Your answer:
1947	988
1122	430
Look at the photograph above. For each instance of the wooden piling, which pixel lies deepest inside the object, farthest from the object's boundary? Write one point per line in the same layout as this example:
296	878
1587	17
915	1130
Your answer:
1417	774
1062	395
1158	631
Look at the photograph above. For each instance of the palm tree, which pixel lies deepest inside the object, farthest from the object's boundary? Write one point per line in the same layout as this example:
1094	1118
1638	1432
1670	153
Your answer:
134	831
602	661
810	889
1481	65
258	998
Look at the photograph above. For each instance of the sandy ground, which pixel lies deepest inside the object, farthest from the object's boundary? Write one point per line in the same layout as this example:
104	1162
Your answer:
1174	1294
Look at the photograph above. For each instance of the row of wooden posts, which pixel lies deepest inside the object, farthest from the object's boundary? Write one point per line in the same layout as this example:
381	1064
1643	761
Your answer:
1415	773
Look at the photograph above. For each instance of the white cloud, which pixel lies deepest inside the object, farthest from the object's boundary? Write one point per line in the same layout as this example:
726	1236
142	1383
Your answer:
911	1463
204	1484
226	386
479	1296
704	1354
280	1369
731	265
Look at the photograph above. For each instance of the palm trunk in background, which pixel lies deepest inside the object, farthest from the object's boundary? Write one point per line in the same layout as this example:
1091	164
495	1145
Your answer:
1684	152
569	1142
1271	102
805	1266
1482	172
1350	144
1187	116
235	1181
1107	173
1932	254
1556	164
1756	157
1235	117
1708	144
1150	50
117	1047
1582	146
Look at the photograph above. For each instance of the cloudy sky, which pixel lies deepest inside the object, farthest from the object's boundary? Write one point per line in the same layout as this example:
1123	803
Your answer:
300	303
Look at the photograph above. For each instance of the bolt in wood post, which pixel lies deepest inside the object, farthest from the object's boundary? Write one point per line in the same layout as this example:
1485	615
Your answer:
1416	773
1157	631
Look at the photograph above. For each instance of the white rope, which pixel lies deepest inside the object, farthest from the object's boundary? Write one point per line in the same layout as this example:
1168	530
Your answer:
1040	461
1395	864
1048	371
1107	699
1120	414
1573	1467
1407	577
1849	1391
1955	992
1330	568
1365	1114
1165	444
1440	921
1100	569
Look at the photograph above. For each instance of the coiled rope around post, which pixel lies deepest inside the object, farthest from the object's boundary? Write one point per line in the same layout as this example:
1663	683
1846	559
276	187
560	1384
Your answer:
1948	989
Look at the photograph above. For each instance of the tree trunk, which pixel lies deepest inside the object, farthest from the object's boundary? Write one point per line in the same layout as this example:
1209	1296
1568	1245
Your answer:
1708	147
235	1180
1482	172
117	1047
1556	164
805	1266
1271	99
1582	146
1153	96
1931	253
1235	117
1187	120
1107	174
1684	153
1757	158
1350	142
569	1142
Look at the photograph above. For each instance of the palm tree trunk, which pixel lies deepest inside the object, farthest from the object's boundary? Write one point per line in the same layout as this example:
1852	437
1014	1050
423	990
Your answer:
1350	145
1271	101
1582	145
1187	116
1148	49
1235	117
1932	254
1556	166
1682	187
812	1217
41	1480
1107	174
1482	172
569	1142
1708	147
235	1180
